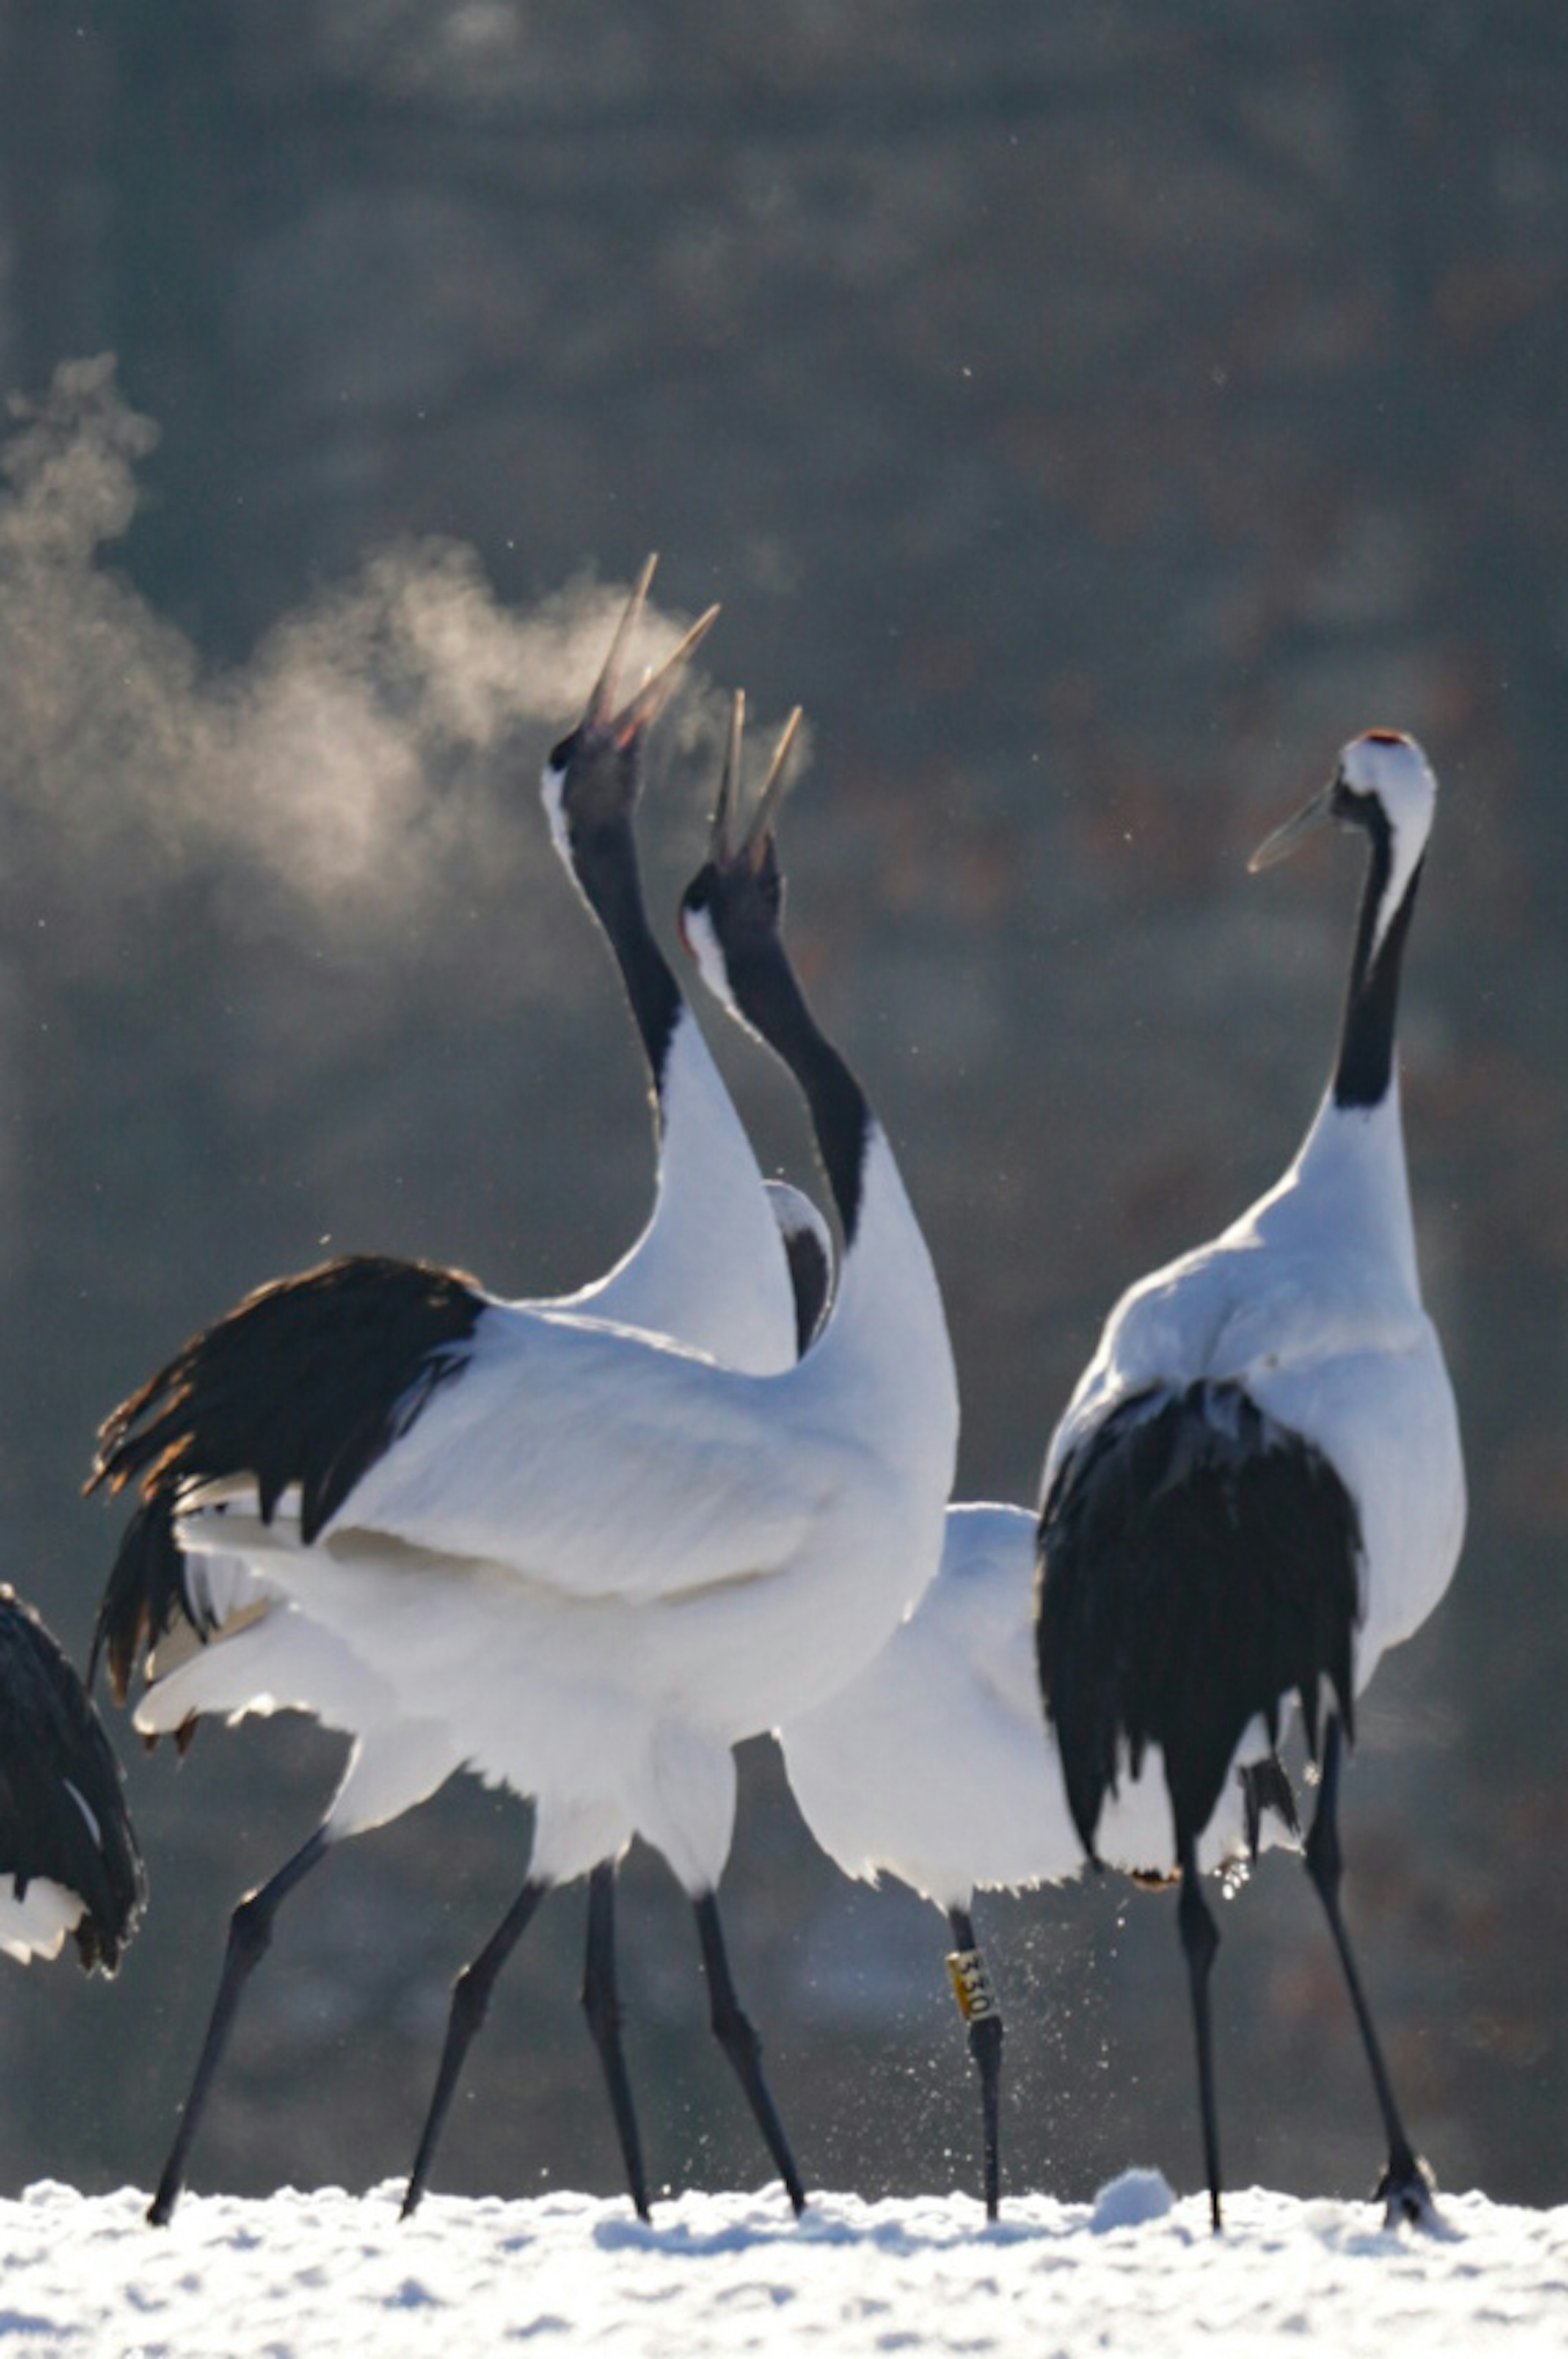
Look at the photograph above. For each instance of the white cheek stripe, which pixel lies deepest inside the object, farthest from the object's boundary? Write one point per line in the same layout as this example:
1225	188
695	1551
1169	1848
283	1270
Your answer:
1408	843
552	791
697	927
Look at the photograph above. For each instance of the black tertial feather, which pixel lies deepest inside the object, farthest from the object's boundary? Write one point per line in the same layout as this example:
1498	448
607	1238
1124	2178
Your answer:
145	1590
811	1278
308	1381
51	1742
1198	1562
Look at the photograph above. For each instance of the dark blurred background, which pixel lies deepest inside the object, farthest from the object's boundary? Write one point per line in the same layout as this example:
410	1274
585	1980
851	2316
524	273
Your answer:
1093	414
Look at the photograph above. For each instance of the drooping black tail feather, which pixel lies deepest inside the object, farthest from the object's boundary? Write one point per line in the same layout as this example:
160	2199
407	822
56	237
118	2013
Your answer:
1198	1562
62	1808
145	1590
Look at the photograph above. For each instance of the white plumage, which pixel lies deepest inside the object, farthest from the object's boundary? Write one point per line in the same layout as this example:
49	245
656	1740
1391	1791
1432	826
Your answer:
1258	1485
596	1558
933	1763
710	1266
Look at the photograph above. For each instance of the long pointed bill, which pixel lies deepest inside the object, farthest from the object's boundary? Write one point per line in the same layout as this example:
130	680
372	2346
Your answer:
641	710
602	703
1284	840
774	788
729	785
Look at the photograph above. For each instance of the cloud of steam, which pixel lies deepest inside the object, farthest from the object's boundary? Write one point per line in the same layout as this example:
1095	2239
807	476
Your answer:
351	770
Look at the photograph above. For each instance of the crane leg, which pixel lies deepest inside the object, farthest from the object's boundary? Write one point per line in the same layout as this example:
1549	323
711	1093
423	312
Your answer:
470	2006
984	2021
250	1931
1405	2189
601	2006
738	2039
1200	1940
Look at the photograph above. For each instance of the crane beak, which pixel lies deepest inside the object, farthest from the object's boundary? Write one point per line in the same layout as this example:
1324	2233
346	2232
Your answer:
602	703
1317	813
641	710
775	786
729	786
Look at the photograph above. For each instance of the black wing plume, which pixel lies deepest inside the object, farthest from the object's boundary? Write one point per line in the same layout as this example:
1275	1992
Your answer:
306	1382
1197	1561
62	1808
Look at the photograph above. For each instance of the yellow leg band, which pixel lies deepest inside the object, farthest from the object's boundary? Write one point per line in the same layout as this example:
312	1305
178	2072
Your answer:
971	1985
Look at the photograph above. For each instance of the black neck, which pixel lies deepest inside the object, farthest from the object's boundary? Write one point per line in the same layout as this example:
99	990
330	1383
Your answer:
605	862
1364	1065
771	1000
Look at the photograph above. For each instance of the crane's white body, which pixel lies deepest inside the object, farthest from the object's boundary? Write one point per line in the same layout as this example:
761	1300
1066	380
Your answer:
709	1269
935	1765
1312	1301
597	1559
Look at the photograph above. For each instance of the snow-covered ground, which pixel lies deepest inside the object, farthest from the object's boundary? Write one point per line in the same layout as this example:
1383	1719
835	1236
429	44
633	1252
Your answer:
308	2277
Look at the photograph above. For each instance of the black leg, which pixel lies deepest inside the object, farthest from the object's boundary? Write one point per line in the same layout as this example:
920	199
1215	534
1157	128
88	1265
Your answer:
1200	1940
250	1930
1405	2188
470	2006
601	2006
740	2043
978	2007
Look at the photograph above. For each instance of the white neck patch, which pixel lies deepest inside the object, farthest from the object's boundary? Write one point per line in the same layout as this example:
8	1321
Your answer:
698	934
1394	769
552	793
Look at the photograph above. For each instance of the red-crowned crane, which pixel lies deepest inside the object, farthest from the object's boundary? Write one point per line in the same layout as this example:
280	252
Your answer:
591	1561
1258	1485
710	1266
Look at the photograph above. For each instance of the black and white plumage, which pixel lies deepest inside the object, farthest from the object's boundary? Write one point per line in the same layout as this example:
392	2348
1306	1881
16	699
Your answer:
583	1560
935	1765
308	1383
69	1860
1258	1485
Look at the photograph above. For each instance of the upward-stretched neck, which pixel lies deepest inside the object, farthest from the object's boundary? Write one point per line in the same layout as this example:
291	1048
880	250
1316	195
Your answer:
767	995
886	1337
710	1266
1364	1068
604	860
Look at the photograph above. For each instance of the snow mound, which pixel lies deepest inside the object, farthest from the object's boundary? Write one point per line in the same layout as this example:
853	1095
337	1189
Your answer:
1131	2200
330	2276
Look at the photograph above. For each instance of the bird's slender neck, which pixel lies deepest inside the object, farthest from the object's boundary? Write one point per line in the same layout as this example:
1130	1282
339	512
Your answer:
710	1266
604	861
766	993
1364	1067
887	1337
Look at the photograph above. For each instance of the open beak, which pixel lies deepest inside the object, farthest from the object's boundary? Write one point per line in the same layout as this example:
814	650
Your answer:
1317	813
754	843
643	707
729	786
759	829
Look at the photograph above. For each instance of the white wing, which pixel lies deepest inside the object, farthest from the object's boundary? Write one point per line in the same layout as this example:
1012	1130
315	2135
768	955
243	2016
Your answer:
592	1463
